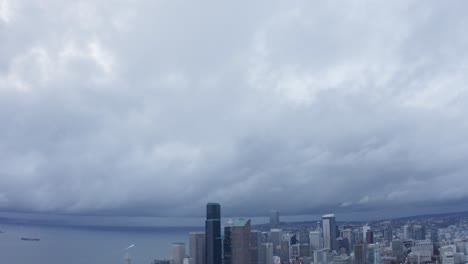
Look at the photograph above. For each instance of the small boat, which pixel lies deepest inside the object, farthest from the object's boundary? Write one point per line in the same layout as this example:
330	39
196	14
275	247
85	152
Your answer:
30	239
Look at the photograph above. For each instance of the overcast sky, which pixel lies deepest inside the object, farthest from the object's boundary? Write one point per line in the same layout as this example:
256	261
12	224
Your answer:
158	107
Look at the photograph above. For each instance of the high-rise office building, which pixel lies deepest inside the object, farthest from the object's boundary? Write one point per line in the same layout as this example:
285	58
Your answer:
459	245
398	249
285	245
267	258
423	250
365	228
303	235
360	253
388	234
240	241
358	236
322	256
315	238
213	233
370	237
178	253
274	219
419	232
276	236
343	245
329	232
407	232
293	239
446	249
295	251
255	247
435	235
227	243
349	235
197	247
373	254
448	258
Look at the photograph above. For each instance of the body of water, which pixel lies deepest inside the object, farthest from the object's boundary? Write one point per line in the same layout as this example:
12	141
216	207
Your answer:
87	246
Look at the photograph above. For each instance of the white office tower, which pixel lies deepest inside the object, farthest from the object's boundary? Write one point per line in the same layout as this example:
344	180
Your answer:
197	247
276	260
406	232
178	253
448	258
447	249
422	251
186	261
329	232
322	256
315	238
365	229
276	236
268	253
423	245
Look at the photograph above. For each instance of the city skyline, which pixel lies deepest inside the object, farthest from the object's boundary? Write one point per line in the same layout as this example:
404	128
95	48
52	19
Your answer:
414	241
234	132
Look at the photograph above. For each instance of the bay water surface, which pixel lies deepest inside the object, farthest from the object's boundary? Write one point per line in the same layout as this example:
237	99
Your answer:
64	245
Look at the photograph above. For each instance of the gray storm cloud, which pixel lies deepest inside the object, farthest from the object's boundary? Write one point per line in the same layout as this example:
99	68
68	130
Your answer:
155	108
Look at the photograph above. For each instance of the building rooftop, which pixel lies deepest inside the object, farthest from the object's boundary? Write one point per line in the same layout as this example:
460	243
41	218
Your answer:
241	222
196	233
328	215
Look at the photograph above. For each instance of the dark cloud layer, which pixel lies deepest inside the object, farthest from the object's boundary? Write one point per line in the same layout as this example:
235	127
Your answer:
157	107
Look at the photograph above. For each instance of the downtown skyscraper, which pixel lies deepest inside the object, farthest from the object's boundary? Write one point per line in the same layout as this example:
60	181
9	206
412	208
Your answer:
329	232
237	242
274	219
213	233
197	247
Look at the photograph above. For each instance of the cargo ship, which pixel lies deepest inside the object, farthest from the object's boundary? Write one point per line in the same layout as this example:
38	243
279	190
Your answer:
30	239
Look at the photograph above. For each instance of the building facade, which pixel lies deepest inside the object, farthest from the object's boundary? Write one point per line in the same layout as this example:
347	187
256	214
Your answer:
178	253
197	247
329	232
274	219
213	233
240	241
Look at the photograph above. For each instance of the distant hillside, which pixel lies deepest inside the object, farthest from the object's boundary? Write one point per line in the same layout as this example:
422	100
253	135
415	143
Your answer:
428	216
406	218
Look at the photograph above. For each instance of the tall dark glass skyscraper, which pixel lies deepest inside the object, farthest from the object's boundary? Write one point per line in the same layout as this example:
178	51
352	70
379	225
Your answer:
213	233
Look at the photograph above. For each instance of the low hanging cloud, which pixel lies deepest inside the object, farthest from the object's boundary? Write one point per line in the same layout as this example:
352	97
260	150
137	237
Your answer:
155	108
